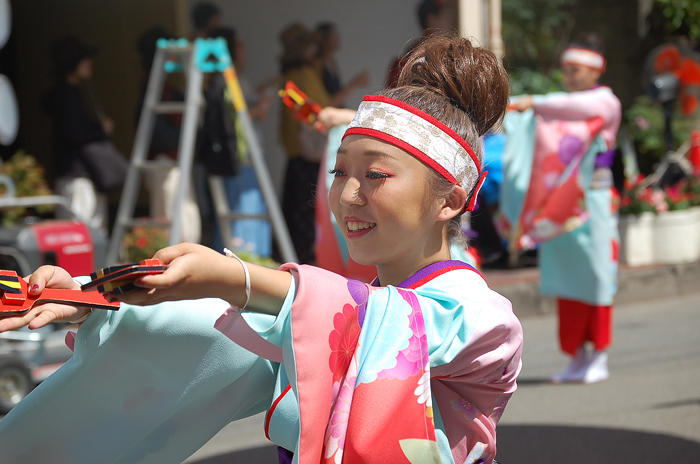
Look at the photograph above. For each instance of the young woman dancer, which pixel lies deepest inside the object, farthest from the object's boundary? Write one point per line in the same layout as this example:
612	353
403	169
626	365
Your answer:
579	268
416	367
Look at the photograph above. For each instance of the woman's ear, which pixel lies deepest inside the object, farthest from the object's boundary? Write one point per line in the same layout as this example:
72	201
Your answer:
453	205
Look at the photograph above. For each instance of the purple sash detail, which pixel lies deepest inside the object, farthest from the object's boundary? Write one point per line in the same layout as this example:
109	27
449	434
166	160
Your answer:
428	270
605	159
285	456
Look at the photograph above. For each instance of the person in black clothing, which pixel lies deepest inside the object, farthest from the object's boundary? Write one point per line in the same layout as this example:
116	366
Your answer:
328	41
74	127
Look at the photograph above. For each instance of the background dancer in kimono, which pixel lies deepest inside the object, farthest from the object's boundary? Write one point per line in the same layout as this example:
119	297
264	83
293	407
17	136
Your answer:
580	267
416	367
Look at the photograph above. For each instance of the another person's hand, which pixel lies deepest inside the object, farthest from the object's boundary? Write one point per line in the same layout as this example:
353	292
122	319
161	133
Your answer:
107	125
522	104
42	314
361	80
331	116
260	111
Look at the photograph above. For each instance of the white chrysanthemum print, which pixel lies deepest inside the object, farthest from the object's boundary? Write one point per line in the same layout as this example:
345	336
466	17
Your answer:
422	391
476	454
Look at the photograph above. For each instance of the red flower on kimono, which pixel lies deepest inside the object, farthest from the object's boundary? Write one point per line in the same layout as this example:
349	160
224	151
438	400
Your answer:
343	340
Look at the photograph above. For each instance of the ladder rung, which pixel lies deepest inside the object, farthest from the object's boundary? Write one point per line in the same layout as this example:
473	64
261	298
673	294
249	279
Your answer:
169	108
155	165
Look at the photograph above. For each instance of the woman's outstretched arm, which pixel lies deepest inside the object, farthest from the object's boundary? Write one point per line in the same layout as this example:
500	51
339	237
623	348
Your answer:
195	271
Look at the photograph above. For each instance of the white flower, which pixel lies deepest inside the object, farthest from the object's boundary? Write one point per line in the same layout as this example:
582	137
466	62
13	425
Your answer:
422	391
476	453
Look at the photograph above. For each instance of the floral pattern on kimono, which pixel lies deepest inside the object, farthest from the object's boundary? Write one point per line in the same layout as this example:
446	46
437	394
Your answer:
366	388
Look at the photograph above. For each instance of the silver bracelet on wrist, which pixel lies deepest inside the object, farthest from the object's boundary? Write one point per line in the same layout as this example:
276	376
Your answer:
82	319
231	254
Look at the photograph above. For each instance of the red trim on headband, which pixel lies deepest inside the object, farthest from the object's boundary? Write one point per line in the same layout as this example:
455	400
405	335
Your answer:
430	119
475	194
403	145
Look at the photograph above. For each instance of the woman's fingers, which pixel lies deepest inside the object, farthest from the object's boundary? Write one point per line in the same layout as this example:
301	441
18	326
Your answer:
42	318
13	323
49	277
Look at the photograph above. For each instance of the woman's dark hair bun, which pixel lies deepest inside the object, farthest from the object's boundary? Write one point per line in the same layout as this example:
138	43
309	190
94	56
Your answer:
470	78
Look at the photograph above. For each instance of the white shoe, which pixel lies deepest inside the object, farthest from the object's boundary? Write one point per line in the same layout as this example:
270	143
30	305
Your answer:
597	368
575	371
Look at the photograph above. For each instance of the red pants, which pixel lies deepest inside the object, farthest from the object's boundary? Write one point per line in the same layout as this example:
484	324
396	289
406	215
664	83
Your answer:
581	322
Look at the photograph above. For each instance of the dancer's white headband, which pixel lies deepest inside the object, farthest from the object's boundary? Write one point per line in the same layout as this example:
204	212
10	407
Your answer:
423	136
583	57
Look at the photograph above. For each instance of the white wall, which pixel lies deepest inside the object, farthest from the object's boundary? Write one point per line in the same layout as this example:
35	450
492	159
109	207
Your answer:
373	33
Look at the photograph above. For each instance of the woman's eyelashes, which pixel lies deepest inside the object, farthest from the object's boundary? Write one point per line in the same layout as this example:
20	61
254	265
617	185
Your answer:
374	175
377	175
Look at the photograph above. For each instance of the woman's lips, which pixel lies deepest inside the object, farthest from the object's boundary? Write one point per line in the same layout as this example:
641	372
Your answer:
356	228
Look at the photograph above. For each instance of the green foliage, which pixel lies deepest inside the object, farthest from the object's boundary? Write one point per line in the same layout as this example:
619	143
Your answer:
142	243
252	258
535	32
681	17
645	121
530	82
28	177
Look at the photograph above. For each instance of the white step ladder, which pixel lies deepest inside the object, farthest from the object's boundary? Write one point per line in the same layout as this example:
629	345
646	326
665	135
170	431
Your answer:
202	56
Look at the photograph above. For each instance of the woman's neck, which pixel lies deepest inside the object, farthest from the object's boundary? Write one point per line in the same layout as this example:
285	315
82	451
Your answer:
397	271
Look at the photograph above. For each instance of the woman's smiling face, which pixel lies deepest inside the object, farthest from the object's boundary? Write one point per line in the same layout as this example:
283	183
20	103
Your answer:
382	202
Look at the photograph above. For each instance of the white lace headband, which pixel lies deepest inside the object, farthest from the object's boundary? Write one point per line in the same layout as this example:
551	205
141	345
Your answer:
583	57
423	136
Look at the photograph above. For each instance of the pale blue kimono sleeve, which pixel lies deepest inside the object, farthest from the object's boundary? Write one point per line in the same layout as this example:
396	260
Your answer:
147	384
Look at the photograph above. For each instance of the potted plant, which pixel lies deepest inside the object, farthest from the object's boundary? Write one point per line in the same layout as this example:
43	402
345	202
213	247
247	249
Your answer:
142	242
675	235
638	209
27	176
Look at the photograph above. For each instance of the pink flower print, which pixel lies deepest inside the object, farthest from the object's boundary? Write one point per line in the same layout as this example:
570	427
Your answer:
338	424
500	406
343	340
468	410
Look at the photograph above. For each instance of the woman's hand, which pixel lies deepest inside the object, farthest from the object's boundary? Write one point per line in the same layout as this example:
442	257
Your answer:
42	314
522	104
194	271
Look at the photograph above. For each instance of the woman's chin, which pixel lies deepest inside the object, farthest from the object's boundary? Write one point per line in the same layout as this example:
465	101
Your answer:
364	259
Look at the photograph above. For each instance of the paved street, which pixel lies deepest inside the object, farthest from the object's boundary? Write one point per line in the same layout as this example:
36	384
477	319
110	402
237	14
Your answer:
648	412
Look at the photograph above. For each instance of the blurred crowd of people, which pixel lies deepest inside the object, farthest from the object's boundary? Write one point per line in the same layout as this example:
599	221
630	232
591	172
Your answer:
308	59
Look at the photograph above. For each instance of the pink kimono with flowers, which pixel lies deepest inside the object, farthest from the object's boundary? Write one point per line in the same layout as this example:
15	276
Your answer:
382	374
569	130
